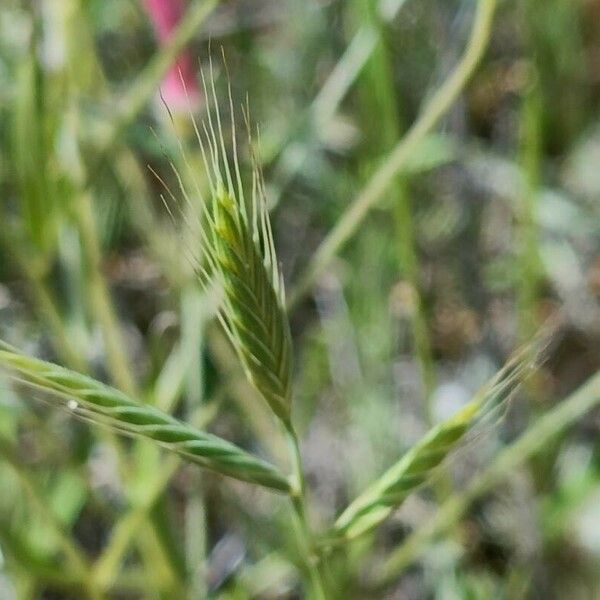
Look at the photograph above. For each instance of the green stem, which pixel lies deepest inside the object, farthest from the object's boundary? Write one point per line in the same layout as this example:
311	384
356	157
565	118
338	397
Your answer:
48	311
298	499
379	97
74	555
528	267
193	319
379	184
325	104
418	321
100	301
34	270
106	567
146	83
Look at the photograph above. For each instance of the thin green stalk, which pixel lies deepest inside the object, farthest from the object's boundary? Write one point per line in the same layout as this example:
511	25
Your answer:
193	320
418	320
106	567
45	303
146	83
48	311
528	262
292	157
380	97
532	441
298	500
379	184
159	557
74	555
116	353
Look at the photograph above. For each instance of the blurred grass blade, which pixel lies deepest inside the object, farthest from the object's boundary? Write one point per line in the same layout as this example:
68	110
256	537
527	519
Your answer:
382	179
41	508
417	466
147	82
29	152
99	403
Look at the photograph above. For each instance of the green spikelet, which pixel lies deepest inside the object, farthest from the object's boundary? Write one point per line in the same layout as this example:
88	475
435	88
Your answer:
408	474
239	255
254	315
418	465
91	400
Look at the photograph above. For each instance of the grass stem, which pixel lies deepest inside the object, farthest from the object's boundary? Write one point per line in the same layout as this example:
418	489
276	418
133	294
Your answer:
379	184
100	301
75	556
298	499
146	83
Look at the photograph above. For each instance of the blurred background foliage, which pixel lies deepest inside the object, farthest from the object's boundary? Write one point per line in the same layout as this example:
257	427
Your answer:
491	229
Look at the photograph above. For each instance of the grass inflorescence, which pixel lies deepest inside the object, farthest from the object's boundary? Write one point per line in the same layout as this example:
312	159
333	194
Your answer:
420	462
92	400
238	255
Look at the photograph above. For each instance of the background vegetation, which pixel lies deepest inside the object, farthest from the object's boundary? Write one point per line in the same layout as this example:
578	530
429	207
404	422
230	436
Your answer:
432	169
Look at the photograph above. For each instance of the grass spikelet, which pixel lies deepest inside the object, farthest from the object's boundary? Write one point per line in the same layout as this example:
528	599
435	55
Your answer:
407	475
91	400
239	255
417	466
253	312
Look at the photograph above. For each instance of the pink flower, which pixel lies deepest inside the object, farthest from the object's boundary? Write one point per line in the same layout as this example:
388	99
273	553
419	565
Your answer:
180	82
